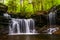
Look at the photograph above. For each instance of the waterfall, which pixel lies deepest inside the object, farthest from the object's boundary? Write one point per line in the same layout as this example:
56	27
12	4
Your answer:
52	19
21	26
52	22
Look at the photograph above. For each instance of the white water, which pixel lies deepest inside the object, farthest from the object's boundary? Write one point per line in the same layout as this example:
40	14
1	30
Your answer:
22	26
27	26
52	30
6	15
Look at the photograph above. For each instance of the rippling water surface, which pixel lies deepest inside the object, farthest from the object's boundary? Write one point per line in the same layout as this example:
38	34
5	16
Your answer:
30	37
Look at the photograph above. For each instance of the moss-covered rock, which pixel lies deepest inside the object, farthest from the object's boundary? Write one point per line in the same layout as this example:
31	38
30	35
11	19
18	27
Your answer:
3	8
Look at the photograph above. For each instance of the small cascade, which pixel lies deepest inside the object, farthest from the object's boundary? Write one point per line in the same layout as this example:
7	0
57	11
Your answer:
52	22
52	30
22	26
52	19
6	15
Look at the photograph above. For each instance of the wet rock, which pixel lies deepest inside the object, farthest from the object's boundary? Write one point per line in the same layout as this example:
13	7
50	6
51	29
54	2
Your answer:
40	18
3	8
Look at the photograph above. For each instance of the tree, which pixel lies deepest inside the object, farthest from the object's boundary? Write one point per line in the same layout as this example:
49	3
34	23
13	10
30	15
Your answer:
12	6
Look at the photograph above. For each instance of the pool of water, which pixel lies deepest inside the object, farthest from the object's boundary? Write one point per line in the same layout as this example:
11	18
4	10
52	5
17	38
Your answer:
30	37
5	36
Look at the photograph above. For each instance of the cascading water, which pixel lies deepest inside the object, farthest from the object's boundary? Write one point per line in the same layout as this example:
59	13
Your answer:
22	26
52	22
6	15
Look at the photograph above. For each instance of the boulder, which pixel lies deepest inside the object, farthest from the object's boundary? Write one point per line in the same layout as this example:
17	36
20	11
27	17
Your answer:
3	8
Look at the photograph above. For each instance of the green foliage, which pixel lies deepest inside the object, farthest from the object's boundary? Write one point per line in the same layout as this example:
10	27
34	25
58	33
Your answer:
12	6
27	9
